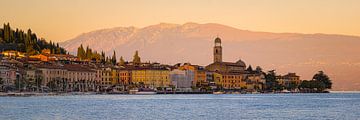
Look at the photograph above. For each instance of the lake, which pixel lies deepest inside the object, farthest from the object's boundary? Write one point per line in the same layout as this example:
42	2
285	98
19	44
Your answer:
184	106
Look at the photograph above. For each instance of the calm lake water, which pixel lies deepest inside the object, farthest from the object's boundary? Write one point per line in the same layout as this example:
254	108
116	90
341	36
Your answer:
238	106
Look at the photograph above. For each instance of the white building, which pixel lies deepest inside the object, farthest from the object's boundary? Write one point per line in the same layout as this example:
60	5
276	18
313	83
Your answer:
182	79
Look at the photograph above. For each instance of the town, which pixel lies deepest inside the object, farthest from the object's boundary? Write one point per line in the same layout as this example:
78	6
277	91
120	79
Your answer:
53	71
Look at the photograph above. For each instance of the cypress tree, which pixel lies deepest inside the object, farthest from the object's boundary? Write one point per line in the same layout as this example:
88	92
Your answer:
113	59
6	33
136	59
81	52
122	61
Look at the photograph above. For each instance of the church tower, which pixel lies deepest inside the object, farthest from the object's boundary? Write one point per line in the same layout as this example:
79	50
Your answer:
217	50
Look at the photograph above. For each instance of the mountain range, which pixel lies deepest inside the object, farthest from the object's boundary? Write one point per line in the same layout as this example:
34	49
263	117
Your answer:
336	55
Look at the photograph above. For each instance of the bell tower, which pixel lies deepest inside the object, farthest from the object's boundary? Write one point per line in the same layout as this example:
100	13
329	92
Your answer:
217	50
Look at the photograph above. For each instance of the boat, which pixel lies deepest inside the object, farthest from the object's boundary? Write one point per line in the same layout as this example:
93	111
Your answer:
218	92
285	91
145	93
133	91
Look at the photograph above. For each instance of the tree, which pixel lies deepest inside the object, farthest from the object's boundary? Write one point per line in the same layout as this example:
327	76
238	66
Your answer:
1	84
38	81
324	79
136	59
271	82
249	68
292	86
20	83
102	59
122	61
29	47
26	41
88	53
113	59
258	69
52	85
1	81
311	86
81	52
7	32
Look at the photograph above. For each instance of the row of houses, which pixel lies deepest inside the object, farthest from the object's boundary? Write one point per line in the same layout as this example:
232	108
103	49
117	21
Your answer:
87	77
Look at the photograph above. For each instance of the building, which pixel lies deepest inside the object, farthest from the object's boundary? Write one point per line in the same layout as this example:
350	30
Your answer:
115	76
13	54
232	81
289	81
255	79
217	77
182	79
68	77
51	73
125	76
34	78
232	74
150	77
54	57
8	75
105	77
79	78
199	73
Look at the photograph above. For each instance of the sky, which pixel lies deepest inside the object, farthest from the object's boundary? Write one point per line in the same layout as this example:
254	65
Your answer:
60	20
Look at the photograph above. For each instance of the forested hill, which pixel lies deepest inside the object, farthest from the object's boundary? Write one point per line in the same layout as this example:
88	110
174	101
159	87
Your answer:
25	41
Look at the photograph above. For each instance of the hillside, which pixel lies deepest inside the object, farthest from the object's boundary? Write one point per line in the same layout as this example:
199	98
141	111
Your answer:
305	54
28	42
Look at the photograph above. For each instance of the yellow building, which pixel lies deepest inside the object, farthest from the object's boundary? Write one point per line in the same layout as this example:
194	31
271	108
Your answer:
46	51
217	78
115	75
255	81
13	54
40	57
288	80
232	81
151	77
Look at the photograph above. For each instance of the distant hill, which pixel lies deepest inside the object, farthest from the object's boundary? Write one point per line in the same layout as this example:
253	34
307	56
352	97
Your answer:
305	54
17	39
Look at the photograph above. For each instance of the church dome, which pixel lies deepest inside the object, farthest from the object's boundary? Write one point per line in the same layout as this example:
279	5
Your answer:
241	63
217	40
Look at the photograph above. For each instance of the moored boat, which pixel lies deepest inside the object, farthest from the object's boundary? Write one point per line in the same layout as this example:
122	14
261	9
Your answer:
218	92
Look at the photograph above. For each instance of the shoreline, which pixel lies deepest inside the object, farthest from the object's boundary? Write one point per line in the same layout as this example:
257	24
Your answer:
30	94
